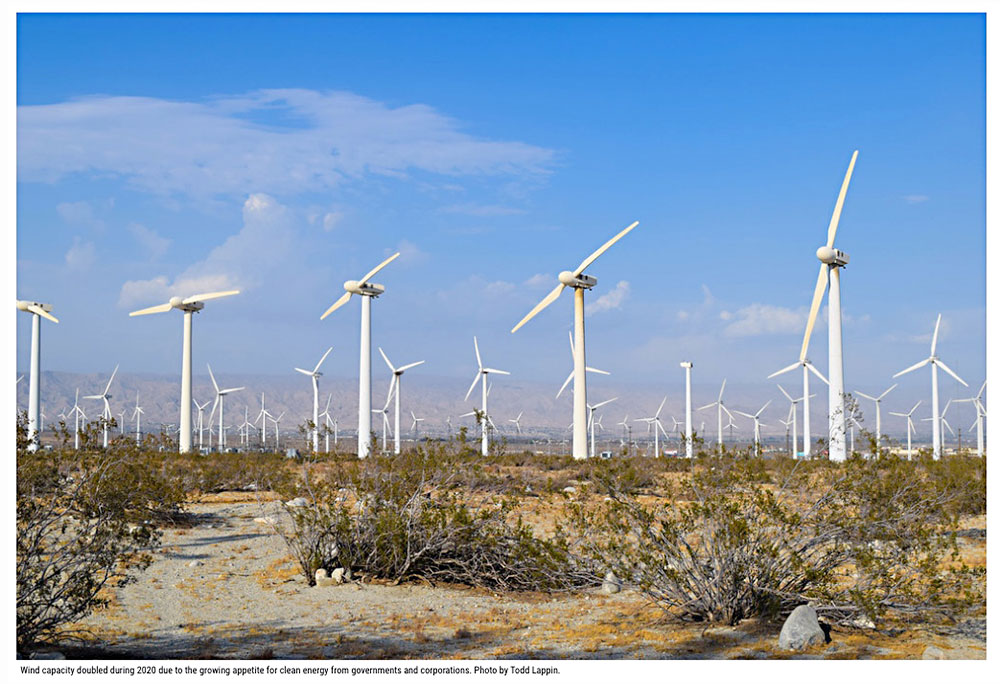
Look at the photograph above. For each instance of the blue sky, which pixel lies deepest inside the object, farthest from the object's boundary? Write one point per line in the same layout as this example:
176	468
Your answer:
284	154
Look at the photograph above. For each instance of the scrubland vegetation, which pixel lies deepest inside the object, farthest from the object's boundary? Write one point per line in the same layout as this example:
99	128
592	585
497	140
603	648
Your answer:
718	539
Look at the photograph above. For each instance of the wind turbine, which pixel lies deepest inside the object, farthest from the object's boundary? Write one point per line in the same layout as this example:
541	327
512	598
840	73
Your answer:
807	367
832	260
689	449
580	283
220	396
385	420
591	421
481	375
878	415
78	414
201	423
516	421
720	408
264	414
315	375
910	429
657	427
137	414
277	429
793	413
367	291
977	402
326	421
935	362
38	310
415	426
104	396
189	306
394	385
569	377
756	425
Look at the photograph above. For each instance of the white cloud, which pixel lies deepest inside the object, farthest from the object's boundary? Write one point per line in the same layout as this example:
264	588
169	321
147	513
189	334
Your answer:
611	300
764	319
81	255
79	214
408	252
284	141
481	210
540	280
708	300
243	261
155	244
915	199
725	315
331	219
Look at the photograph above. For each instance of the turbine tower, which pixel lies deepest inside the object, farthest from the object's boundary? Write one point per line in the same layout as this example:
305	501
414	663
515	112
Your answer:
580	283
220	396
77	415
720	408
137	414
397	379
910	429
591	409
104	396
977	402
481	375
367	291
189	305
832	260
756	426
37	310
878	416
935	362
315	375
654	422
688	442
807	368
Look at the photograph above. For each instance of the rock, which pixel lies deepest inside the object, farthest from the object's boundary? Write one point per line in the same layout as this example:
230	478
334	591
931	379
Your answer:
297	502
934	653
195	564
323	578
264	521
569	490
612	585
801	630
338	576
860	622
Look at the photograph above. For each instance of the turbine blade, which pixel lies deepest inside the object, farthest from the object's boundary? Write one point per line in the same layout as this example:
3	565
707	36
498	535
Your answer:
479	359
934	339
787	395
915	407
378	268
409	366
336	305
783	370
950	372
596	370
657	414
706	406
831	232
814	309
568	378
322	359
722	389
496	370
815	371
549	298
882	396
42	312
209	295
763	407
304	372
602	249
914	367
743	414
211	375
599	405
111	380
386	358
862	394
473	385
572	347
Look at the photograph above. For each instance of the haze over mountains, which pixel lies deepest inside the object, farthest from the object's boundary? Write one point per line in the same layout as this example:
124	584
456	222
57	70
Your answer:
435	398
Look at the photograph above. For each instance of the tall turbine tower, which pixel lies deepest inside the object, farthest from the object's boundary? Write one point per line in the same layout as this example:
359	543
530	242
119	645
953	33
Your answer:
37	311
394	385
935	362
829	272
580	283
189	305
367	291
688	446
482	375
315	375
878	417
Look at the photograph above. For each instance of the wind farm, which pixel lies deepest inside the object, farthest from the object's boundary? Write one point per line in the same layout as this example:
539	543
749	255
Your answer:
682	488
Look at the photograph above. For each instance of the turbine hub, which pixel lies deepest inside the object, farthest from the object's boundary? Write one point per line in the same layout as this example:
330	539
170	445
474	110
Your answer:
176	302
832	256
581	281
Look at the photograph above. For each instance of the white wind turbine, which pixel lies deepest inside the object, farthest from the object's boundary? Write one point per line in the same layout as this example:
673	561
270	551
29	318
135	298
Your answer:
77	413
481	375
416	424
720	408
657	426
220	397
569	377
590	421
386	428
189	306
201	423
934	361
104	396
326	421
807	367
137	414
580	283
910	429
262	417
829	271
38	310
367	291
977	402
516	421
756	426
878	415
277	430
315	375
793	412
688	444
394	385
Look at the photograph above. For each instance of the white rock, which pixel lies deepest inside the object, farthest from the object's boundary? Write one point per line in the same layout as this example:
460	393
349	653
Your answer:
569	490
612	585
801	630
264	521
297	502
195	564
338	576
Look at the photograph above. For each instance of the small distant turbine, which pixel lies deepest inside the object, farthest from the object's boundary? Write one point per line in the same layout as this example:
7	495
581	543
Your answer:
137	414
481	376
416	424
571	373
315	375
878	415
104	396
654	422
516	421
220	397
910	429
720	407
590	416
394	388
977	402
77	414
756	425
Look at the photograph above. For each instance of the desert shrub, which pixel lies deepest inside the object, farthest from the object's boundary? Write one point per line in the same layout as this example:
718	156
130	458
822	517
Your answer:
965	477
83	524
865	538
406	517
219	472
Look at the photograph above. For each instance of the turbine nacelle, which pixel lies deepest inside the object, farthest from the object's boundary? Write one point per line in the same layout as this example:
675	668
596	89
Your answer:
568	279
24	305
362	288
832	256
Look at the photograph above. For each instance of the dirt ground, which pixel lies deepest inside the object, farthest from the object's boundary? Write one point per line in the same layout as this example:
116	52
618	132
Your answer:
226	587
